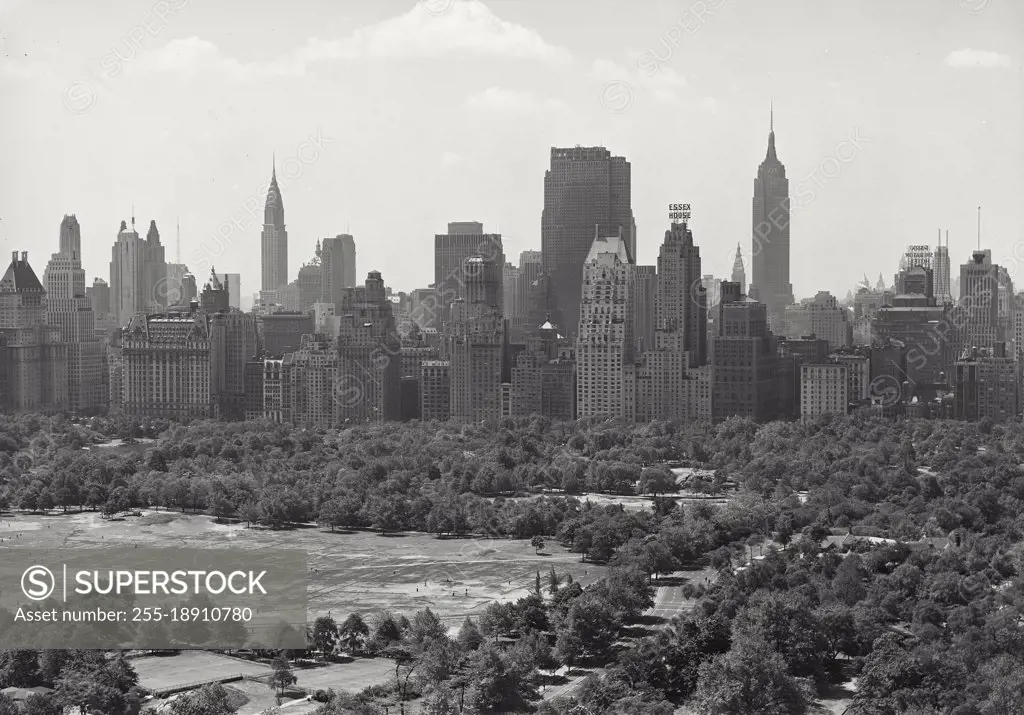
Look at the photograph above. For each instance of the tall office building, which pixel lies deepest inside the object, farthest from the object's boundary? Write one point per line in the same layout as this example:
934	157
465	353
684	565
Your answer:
70	310
138	273
35	360
274	240
681	306
739	274
645	295
338	260
605	349
233	283
770	282
986	383
475	344
99	294
979	303
463	240
173	286
369	371
744	359
586	190
530	270
509	289
940	266
680	335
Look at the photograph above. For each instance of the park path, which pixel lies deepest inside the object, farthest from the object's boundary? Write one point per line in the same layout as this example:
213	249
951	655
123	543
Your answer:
668	603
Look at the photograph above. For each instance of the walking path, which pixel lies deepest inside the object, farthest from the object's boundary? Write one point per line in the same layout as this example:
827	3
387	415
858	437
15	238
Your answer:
668	603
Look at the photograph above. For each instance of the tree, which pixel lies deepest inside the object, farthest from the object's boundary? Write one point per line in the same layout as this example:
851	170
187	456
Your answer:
656	480
469	638
787	626
426	627
750	678
208	700
282	676
41	704
553	581
325	635
440	701
18	668
537	542
568	648
352	634
8	706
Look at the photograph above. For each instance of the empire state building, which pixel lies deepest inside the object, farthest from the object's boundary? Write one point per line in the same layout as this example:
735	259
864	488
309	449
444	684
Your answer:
770	282
274	240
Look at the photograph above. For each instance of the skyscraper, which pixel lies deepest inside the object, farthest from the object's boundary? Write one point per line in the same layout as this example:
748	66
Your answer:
681	312
978	308
744	359
274	239
475	341
369	370
770	283
663	381
338	259
70	310
940	267
463	240
35	360
605	355
585	190
138	273
739	274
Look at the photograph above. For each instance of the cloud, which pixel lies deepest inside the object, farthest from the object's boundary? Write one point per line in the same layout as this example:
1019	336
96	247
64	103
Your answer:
709	105
663	82
977	58
450	159
466	27
499	99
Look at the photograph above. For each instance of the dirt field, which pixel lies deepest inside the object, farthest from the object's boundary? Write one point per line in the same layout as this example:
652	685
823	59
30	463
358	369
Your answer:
358	572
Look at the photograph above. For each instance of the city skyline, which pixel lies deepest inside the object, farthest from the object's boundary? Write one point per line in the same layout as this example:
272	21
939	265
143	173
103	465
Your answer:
557	88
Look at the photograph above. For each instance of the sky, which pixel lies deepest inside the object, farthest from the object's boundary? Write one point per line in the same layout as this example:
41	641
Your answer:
389	119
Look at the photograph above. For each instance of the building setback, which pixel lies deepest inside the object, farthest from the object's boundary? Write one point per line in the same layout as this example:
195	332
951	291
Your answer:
70	310
744	359
35	360
274	240
770	280
605	355
138	273
464	240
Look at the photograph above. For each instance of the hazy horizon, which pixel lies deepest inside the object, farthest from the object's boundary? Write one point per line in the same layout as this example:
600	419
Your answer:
389	120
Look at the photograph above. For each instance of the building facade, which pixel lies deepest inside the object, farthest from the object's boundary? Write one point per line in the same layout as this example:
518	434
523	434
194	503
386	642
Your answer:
605	348
770	282
586	191
274	240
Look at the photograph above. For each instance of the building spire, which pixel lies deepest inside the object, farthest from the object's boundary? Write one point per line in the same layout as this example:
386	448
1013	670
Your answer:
771	133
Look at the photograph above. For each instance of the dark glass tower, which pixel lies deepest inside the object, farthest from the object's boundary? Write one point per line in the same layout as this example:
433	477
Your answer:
770	282
586	194
274	239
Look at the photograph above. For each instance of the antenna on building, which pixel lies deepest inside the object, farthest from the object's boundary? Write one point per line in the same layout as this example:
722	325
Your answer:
979	228
177	240
133	217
